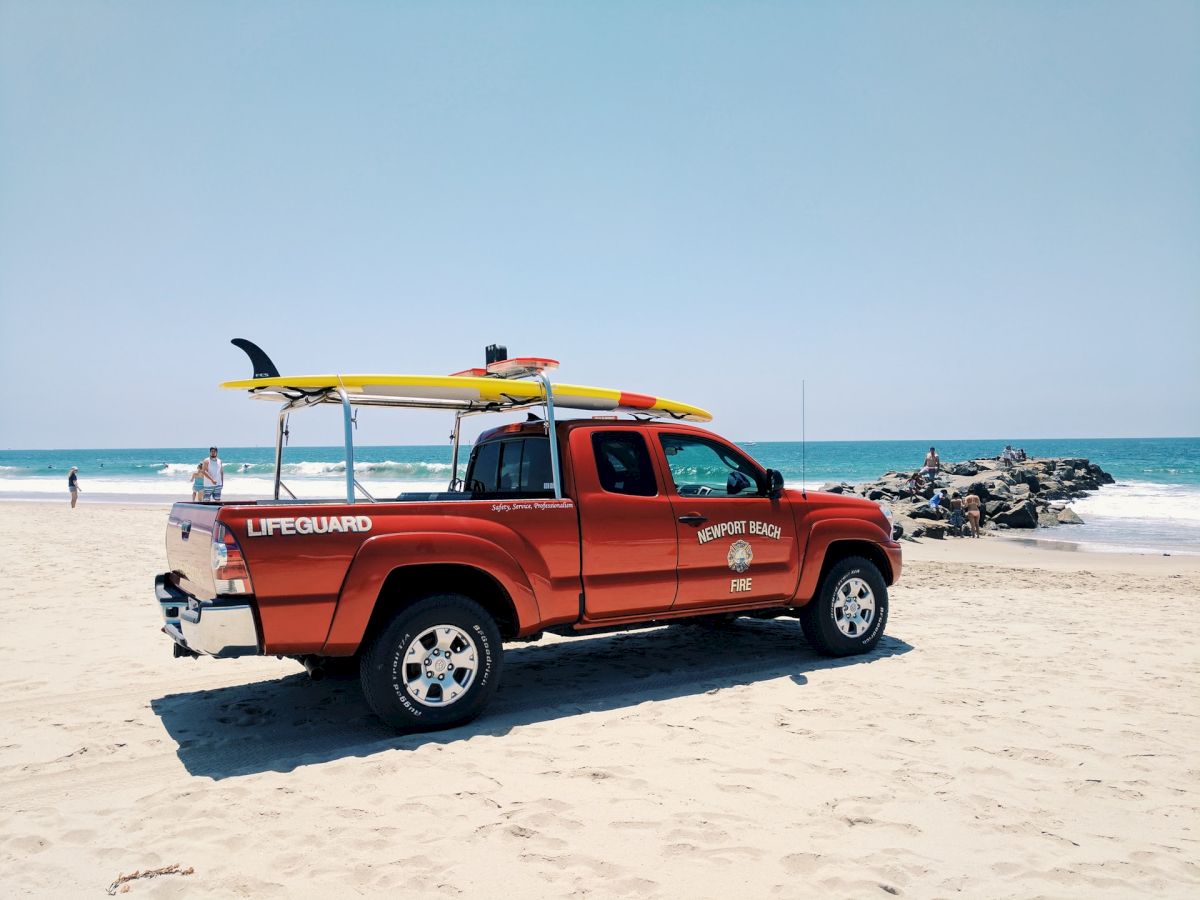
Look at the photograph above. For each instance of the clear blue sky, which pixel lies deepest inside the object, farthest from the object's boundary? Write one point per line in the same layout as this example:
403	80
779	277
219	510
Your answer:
953	220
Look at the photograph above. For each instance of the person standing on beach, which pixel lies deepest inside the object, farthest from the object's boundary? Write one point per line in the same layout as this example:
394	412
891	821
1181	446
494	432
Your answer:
974	512
214	475
73	485
198	483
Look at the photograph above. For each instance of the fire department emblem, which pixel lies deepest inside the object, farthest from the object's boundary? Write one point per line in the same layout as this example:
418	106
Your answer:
740	556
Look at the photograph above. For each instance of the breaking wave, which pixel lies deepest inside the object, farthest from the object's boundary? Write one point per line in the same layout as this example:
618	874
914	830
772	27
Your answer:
1143	500
177	470
384	469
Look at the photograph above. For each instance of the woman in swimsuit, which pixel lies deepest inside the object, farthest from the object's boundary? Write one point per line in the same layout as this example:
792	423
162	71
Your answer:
971	501
198	483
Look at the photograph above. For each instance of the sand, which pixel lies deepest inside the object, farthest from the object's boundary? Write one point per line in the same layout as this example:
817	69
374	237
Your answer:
1028	727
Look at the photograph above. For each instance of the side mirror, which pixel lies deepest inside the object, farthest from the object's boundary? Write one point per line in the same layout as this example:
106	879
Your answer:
737	482
774	483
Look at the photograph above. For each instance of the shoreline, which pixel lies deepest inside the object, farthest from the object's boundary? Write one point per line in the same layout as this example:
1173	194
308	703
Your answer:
1063	539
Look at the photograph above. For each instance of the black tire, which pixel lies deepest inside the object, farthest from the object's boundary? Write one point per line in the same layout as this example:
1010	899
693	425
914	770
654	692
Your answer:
387	676
823	618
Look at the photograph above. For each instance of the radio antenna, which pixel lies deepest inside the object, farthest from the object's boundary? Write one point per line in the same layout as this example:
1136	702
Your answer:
803	444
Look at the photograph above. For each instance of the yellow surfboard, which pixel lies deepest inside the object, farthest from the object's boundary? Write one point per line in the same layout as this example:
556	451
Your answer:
470	391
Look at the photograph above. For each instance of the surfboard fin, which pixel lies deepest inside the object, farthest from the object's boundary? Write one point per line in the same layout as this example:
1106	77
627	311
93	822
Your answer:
263	367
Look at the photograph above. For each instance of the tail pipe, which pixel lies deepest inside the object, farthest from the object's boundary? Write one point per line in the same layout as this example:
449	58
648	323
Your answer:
315	667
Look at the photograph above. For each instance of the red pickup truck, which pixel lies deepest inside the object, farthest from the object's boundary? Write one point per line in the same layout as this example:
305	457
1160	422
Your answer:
615	523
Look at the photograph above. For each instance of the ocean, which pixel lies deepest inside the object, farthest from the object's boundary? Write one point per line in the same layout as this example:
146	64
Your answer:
1153	507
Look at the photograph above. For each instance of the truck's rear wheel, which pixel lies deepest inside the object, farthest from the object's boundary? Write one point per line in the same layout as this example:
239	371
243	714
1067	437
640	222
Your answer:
435	665
850	610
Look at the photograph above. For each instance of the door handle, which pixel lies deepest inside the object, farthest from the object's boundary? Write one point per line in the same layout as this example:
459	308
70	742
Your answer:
693	519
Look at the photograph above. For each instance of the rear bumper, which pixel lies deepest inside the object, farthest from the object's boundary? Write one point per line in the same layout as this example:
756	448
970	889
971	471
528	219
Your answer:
220	627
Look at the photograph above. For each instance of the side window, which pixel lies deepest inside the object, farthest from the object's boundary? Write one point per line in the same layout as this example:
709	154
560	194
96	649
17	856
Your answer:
624	463
702	468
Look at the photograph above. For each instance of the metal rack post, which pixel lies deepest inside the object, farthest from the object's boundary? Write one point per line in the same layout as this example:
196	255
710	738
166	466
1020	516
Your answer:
554	473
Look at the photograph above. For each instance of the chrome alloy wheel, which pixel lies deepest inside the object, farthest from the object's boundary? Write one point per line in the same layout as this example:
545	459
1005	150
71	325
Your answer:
440	665
854	607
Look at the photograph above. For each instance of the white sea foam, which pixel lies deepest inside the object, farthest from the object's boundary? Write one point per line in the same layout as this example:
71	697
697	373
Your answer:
367	468
1143	500
313	469
175	470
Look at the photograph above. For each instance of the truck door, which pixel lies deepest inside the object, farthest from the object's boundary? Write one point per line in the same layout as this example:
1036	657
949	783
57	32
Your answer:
735	543
626	523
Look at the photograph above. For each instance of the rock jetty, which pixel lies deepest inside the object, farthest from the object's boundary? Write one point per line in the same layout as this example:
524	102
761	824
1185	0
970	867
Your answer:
1032	493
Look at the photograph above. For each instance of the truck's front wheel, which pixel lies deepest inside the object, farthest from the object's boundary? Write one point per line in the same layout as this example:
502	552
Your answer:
435	665
849	612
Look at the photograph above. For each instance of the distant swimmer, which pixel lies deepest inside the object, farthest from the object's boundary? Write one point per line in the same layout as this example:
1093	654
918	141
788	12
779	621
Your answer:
73	485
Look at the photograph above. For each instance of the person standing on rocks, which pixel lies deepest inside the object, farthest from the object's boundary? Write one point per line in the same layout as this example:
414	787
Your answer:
933	464
974	512
956	515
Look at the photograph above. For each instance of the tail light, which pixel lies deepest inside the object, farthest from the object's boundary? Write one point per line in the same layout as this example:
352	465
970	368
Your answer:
230	572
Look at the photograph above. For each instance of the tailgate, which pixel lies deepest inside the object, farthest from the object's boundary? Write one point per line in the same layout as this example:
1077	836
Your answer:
189	547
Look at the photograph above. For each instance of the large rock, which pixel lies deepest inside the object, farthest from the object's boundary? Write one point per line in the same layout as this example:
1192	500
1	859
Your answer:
1068	516
1047	519
1051	488
935	530
1018	515
963	468
989	490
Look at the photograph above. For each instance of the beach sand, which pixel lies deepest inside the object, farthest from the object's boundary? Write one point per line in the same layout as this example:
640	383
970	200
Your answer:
1028	727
